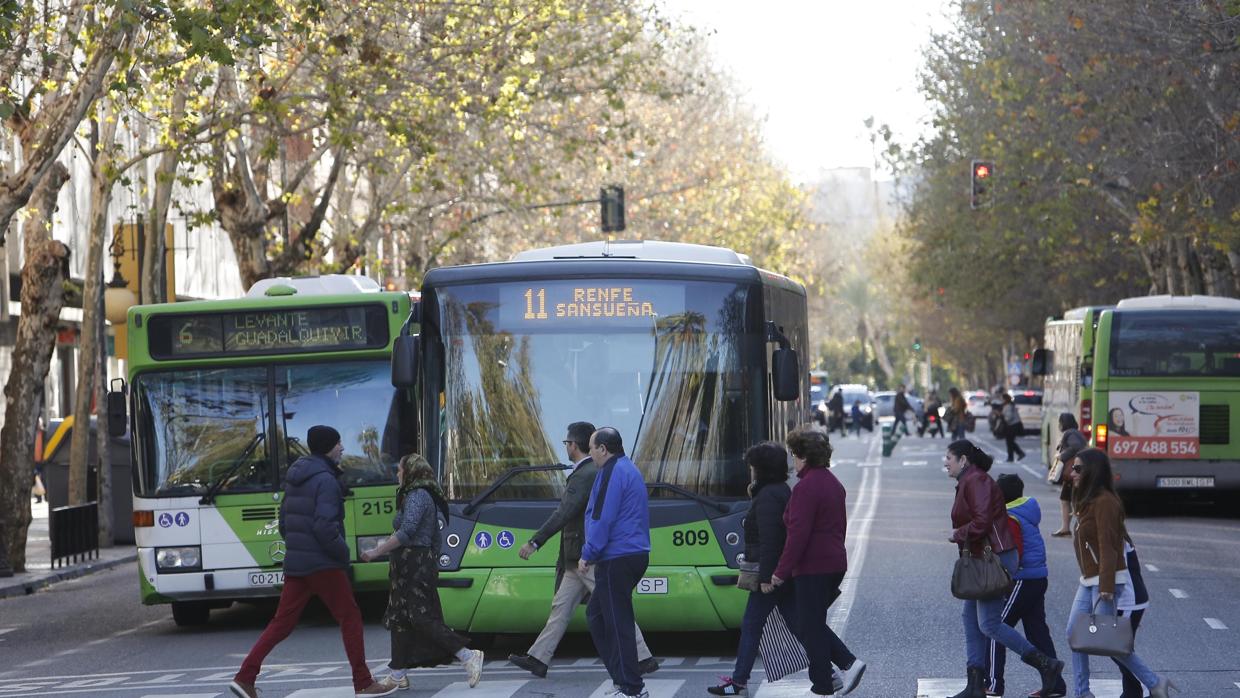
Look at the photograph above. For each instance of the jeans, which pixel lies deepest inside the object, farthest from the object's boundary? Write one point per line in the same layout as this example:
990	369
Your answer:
333	589
958	432
610	617
1086	597
757	610
1132	687
983	622
814	595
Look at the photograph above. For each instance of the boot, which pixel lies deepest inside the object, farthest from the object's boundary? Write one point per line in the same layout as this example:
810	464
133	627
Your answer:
1051	670
1163	688
976	688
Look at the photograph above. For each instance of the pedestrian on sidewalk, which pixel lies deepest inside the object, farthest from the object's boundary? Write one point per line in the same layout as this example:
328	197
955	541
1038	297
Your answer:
1099	544
571	586
1071	442
814	559
979	523
420	638
1010	424
617	546
315	563
1026	604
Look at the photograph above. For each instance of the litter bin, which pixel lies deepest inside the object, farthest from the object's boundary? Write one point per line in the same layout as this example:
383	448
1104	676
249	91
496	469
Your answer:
55	467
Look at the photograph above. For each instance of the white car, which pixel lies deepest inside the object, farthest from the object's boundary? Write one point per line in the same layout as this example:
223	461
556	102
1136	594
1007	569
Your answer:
1029	407
979	403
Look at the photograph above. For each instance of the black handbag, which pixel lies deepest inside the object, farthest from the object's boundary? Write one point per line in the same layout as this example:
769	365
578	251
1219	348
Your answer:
748	579
980	578
1101	635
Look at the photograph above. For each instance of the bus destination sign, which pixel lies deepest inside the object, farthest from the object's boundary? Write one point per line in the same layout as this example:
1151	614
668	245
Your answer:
599	302
291	330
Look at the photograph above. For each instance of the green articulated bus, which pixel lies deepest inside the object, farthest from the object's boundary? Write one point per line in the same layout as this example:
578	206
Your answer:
1066	361
220	396
689	351
1166	394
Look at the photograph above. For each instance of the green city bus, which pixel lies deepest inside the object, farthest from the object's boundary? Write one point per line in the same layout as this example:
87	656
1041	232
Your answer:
691	352
220	396
1066	362
1167	392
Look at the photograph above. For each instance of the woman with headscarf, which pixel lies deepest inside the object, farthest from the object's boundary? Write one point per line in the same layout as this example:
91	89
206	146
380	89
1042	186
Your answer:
420	638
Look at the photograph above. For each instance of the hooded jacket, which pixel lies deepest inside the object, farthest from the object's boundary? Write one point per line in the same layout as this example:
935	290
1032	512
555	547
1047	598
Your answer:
312	518
1033	555
979	516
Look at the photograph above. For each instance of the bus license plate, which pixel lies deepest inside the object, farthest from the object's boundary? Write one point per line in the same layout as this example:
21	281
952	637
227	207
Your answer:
1184	482
652	585
266	579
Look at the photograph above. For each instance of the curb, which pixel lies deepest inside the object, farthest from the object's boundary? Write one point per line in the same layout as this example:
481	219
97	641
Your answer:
29	587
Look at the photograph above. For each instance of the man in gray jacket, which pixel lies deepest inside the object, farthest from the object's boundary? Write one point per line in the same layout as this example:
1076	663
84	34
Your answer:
571	585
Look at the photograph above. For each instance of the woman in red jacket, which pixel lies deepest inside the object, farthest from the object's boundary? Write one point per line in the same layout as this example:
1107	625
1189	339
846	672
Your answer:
980	522
815	560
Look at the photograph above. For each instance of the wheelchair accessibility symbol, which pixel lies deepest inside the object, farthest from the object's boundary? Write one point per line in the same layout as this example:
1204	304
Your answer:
504	539
482	540
165	520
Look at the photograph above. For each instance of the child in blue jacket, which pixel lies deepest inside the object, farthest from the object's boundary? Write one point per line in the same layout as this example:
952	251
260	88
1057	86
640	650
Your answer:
1027	602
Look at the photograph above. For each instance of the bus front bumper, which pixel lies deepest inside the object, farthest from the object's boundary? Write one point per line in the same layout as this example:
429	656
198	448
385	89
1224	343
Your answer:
233	584
1190	475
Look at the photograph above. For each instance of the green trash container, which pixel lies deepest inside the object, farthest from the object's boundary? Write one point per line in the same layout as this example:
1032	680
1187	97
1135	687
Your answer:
890	439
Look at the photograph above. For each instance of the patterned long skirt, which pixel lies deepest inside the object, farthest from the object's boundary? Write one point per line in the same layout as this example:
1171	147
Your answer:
419	636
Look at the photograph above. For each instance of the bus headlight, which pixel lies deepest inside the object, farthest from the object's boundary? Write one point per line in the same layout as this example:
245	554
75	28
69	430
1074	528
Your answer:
367	543
178	559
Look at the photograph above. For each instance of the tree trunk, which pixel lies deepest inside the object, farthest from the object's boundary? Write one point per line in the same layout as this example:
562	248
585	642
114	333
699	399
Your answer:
155	252
1150	269
880	352
1169	266
43	275
1233	260
1190	270
103	441
88	345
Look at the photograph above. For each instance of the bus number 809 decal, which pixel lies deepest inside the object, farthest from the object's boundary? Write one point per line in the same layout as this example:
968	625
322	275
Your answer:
698	537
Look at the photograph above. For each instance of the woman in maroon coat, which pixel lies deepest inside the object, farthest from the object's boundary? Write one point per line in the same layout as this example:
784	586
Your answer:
815	560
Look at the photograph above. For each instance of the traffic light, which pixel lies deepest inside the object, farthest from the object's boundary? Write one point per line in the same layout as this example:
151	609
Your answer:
980	174
612	199
917	344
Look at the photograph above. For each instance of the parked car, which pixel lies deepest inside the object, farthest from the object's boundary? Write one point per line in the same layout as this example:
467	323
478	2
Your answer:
1029	407
852	393
885	401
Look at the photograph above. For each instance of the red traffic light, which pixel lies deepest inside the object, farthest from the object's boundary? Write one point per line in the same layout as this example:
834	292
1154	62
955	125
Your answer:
981	170
1027	355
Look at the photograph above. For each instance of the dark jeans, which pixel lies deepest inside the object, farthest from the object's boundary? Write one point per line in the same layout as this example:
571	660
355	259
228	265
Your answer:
1009	435
610	617
757	610
814	594
1132	687
1026	605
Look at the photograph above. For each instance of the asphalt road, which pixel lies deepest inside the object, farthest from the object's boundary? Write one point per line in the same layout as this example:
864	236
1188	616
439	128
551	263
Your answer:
91	636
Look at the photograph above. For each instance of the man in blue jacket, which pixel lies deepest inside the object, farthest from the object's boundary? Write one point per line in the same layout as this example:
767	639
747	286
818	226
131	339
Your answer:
1027	602
315	563
618	546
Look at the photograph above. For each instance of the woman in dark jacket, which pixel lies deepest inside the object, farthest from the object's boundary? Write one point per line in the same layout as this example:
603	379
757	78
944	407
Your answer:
815	559
1071	442
980	523
419	636
1099	543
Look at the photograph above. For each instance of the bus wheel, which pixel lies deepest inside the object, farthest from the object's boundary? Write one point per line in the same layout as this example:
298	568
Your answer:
190	612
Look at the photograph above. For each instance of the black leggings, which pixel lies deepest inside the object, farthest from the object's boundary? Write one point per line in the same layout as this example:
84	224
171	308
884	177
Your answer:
1012	447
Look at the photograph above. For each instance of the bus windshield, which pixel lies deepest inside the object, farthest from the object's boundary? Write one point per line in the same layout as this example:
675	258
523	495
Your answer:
664	362
1175	343
215	426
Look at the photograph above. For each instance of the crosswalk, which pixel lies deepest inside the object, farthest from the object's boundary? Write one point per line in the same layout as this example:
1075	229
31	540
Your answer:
937	688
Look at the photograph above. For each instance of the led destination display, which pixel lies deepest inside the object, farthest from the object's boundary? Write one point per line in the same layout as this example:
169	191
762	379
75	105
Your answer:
601	301
269	331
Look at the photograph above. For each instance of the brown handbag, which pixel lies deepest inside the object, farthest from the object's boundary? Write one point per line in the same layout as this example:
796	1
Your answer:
980	578
748	579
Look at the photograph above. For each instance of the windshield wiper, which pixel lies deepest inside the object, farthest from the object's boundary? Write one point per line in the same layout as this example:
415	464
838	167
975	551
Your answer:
209	497
720	506
180	489
505	477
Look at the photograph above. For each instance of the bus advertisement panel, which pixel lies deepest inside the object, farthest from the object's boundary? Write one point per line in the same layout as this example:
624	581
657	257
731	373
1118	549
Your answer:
1154	424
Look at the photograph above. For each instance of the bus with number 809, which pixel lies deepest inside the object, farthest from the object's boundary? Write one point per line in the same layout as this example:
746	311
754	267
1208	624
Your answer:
691	352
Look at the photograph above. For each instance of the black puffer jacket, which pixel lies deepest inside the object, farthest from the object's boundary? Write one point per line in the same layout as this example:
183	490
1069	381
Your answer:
764	526
312	518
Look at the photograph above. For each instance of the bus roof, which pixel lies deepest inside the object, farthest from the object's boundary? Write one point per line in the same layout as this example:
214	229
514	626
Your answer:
326	285
1178	303
1078	314
636	249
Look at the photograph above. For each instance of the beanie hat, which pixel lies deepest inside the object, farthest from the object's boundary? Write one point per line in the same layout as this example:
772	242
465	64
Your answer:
322	439
1011	486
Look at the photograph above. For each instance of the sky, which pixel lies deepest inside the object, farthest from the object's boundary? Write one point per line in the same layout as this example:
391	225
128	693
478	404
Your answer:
816	69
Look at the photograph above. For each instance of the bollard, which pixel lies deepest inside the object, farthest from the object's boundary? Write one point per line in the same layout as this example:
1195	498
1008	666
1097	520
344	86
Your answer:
890	439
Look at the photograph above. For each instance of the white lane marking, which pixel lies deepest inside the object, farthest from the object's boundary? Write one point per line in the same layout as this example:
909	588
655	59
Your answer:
857	541
1215	624
707	661
1178	593
486	689
795	686
915	463
670	661
166	678
1036	475
298	671
181	695
337	692
658	688
588	661
937	688
1152	568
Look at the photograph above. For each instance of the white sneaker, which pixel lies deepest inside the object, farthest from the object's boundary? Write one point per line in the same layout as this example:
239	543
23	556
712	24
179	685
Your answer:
473	667
851	677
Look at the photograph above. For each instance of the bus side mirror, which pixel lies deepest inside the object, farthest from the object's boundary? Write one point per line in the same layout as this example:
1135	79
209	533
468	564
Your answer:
405	361
118	419
786	374
1041	363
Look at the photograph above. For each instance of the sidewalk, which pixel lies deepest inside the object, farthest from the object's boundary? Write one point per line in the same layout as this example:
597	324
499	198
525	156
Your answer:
39	572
